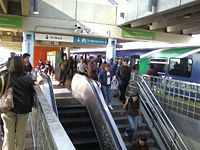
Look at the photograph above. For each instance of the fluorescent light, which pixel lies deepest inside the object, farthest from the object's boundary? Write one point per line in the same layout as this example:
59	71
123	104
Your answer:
36	7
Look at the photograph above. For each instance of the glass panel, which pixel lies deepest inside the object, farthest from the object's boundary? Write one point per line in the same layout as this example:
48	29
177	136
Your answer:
180	67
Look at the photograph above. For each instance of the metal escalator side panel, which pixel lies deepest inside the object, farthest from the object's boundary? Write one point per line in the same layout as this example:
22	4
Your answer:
167	127
47	89
85	91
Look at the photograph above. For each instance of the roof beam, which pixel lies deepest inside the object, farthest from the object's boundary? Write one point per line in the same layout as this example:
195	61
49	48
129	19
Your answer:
165	15
179	27
4	6
174	21
191	30
25	5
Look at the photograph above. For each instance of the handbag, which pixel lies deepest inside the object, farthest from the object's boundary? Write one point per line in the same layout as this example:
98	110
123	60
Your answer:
6	101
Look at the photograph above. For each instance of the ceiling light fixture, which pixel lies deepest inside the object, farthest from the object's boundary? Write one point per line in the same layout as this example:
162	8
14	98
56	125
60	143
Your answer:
36	7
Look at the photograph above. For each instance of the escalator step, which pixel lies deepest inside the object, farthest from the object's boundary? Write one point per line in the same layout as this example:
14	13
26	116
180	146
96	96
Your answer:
79	130
66	113
86	140
75	120
70	106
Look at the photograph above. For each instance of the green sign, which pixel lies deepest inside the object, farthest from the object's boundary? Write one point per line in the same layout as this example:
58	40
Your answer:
10	22
137	34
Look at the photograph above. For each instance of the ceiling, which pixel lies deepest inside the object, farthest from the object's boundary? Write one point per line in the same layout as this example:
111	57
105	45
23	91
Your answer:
15	7
184	20
13	37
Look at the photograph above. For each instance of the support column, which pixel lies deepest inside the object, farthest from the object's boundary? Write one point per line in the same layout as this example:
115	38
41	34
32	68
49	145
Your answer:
67	51
28	45
111	49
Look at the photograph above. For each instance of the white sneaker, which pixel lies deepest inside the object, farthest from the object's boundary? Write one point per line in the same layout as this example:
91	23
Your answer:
125	134
110	106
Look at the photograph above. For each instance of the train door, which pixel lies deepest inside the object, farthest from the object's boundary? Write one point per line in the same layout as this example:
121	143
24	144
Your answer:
135	62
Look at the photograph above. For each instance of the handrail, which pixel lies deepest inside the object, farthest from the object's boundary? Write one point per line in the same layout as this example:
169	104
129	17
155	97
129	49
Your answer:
108	115
88	92
161	116
47	88
48	133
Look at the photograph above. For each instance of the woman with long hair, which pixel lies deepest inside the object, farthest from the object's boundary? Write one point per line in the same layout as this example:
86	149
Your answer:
15	120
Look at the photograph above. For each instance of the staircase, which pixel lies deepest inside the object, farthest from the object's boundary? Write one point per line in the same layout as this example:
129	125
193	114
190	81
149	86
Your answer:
122	123
77	123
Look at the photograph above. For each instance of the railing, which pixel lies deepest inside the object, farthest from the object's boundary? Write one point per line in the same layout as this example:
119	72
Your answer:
88	92
47	88
166	130
48	133
178	96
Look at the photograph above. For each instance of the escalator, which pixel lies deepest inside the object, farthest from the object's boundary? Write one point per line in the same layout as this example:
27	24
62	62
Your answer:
77	123
90	124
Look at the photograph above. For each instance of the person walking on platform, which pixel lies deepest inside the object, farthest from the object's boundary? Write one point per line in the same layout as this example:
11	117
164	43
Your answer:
81	67
123	75
105	78
15	120
64	70
71	65
92	69
118	65
113	66
27	65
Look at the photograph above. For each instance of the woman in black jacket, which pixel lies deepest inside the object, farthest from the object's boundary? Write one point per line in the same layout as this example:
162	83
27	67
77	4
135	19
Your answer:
15	120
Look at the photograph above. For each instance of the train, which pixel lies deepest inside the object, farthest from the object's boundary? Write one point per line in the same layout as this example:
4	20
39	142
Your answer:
182	63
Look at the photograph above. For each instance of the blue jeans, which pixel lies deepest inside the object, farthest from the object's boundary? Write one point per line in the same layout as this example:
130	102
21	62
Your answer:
134	122
107	93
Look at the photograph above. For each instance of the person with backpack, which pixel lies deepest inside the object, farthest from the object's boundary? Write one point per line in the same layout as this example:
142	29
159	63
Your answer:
132	106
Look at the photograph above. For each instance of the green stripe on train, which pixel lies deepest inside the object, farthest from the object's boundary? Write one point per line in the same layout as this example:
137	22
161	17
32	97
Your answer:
164	53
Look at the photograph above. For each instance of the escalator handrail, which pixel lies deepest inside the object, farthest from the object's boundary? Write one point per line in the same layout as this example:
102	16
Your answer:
99	100
107	114
151	110
141	80
46	79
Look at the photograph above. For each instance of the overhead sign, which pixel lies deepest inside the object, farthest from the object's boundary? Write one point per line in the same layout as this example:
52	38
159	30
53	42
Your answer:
52	37
89	40
137	34
10	22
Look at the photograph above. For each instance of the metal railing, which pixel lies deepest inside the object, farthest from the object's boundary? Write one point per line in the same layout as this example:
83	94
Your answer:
47	130
88	92
178	96
166	130
47	88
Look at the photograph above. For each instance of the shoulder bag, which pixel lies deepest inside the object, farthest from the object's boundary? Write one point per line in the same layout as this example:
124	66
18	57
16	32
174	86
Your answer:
6	101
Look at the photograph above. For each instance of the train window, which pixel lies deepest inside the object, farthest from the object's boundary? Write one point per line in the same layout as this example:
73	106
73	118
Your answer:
159	64
180	67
